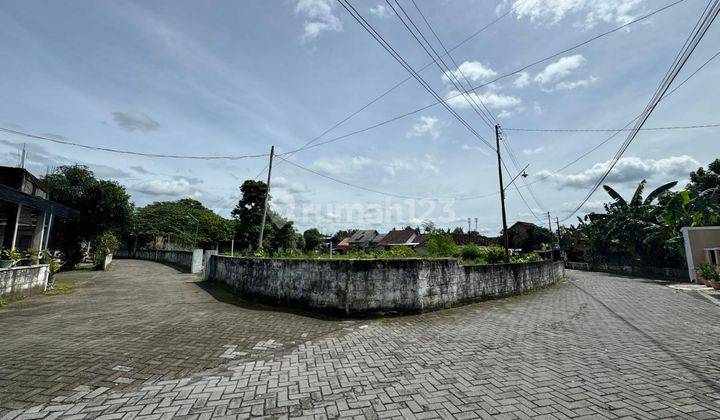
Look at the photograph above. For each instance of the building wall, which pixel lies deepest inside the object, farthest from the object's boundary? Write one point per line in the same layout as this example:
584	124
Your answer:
672	274
371	286
23	280
696	240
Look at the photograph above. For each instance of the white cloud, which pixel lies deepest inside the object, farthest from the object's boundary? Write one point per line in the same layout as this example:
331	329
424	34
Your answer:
522	80
505	114
565	85
472	70
628	170
480	149
379	11
560	69
594	11
537	108
342	165
426	164
534	151
427	126
319	17
169	187
490	99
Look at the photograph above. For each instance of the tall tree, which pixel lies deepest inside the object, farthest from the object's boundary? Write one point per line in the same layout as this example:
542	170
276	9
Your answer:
185	222
104	206
280	234
313	239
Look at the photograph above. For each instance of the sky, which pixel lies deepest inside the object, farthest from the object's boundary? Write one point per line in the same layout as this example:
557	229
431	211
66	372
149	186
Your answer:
233	78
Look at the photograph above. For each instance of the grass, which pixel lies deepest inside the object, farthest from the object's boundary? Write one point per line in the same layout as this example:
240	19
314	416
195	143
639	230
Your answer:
61	287
9	300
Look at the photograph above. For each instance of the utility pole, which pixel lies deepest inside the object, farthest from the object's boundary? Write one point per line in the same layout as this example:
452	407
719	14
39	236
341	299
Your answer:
469	227
267	195
502	195
476	224
552	239
557	222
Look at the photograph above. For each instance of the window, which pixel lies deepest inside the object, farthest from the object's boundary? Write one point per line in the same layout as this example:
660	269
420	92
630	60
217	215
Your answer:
713	256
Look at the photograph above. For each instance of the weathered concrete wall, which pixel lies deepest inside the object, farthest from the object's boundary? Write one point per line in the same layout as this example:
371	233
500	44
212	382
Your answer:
367	286
23	280
189	260
672	274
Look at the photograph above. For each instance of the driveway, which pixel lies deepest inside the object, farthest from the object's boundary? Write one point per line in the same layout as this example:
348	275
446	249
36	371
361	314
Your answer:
594	346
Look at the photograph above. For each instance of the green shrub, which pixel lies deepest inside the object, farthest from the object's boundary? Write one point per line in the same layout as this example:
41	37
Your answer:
493	254
470	252
398	252
441	245
708	272
531	257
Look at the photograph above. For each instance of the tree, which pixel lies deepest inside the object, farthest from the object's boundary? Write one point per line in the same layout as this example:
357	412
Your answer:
104	206
313	239
186	223
706	182
279	233
342	234
530	238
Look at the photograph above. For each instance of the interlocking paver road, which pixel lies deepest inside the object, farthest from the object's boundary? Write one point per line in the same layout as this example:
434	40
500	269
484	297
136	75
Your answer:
593	346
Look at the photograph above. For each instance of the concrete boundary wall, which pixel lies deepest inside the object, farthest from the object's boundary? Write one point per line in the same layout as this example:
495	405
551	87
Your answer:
672	274
23	280
189	260
355	287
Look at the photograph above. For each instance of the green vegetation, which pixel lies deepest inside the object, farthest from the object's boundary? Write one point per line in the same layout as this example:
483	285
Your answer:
106	244
104	206
61	287
646	231
186	223
708	272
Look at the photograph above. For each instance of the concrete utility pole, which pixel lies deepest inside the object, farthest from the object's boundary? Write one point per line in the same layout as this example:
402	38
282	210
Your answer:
552	239
502	195
267	195
469	228
557	222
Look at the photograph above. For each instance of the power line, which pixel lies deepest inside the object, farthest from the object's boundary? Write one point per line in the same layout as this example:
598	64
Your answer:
371	30
684	54
604	130
624	128
444	68
129	152
388	91
386	193
516	71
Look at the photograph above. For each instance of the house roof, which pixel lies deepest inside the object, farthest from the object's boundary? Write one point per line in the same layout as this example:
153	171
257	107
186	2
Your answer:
378	238
520	224
362	236
343	244
398	237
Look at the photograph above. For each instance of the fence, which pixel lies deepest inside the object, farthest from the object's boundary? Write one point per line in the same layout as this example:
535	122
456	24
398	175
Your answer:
370	286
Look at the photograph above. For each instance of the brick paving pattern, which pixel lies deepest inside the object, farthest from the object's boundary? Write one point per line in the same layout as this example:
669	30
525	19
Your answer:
594	346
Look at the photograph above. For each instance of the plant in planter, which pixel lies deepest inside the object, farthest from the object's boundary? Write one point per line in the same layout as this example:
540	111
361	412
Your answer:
54	268
9	258
33	254
710	275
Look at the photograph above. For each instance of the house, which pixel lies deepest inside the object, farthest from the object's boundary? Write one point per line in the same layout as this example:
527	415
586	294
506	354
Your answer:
343	245
529	237
702	246
405	237
462	238
362	239
26	215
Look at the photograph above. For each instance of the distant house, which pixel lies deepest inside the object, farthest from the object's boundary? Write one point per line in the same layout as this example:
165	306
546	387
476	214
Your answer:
529	237
398	238
343	245
461	238
362	239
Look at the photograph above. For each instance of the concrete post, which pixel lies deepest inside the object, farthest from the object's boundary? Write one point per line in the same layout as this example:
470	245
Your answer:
197	261
48	230
206	263
37	241
17	223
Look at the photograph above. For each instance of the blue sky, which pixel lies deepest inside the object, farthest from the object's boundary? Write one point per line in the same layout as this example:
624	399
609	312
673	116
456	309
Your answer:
233	78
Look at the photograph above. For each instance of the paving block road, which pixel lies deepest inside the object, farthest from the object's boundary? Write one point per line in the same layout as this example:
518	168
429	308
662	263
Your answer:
143	340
